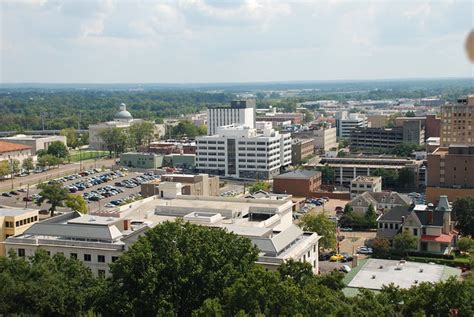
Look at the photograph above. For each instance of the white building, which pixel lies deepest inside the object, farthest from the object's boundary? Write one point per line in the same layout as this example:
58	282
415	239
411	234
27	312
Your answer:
122	120
241	112
37	142
325	139
98	241
346	123
242	152
362	184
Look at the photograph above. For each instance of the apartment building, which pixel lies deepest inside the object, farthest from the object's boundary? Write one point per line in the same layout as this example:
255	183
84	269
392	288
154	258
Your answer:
362	184
450	172
301	149
345	123
457	125
14	221
240	112
242	152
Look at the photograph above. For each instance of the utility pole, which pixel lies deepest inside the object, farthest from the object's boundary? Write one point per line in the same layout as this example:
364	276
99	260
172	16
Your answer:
11	170
27	195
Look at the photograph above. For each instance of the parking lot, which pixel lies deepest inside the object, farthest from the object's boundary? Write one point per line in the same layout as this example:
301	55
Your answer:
102	189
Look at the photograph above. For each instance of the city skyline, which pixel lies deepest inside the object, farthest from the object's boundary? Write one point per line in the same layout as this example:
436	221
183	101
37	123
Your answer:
234	41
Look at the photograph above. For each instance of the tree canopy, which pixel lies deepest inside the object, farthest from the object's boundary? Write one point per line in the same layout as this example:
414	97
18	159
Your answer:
53	193
58	149
260	185
463	211
321	224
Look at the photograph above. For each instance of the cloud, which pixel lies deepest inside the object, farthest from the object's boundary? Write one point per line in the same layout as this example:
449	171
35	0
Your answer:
215	40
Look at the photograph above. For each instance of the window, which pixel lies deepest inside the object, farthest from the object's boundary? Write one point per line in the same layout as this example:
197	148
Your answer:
415	231
114	258
73	256
101	258
391	226
396	226
87	257
380	225
21	252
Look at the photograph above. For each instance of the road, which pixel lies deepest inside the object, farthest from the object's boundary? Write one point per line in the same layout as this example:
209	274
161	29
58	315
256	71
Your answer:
35	178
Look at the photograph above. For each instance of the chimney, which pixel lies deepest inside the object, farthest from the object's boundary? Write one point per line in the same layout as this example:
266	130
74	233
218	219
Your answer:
430	216
126	223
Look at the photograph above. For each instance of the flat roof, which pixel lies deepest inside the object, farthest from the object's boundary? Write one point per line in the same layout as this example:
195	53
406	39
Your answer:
11	212
376	273
93	220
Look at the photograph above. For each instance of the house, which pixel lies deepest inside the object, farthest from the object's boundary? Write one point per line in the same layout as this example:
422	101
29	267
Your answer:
431	226
382	201
362	184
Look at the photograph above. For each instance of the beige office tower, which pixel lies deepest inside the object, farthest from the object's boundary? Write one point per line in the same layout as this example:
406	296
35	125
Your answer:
457	122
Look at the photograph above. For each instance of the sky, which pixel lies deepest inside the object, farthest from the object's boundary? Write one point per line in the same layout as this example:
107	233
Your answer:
199	41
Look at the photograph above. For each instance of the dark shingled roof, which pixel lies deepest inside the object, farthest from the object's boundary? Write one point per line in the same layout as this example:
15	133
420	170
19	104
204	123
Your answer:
437	218
299	174
396	214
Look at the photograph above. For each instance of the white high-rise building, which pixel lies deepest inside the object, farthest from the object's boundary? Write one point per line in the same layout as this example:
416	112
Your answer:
345	124
241	112
243	152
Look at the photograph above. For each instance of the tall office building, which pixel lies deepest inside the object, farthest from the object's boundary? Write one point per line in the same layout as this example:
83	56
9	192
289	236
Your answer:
457	122
346	123
241	112
243	152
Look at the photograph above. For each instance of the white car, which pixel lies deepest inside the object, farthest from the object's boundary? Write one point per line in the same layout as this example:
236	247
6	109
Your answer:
365	250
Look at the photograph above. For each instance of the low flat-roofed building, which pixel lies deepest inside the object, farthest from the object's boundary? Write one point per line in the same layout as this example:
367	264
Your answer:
362	184
198	185
141	160
300	183
95	241
36	142
12	151
14	221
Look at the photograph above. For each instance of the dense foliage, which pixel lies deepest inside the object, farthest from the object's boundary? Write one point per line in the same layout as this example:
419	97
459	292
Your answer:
325	227
463	211
53	193
180	269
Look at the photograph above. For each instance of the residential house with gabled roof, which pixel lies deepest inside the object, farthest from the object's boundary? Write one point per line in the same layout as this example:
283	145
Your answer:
432	226
383	202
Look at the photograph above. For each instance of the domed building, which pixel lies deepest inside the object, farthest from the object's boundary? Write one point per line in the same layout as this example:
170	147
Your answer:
122	119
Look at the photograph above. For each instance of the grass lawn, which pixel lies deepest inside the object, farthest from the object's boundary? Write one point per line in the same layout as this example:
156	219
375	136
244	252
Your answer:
87	155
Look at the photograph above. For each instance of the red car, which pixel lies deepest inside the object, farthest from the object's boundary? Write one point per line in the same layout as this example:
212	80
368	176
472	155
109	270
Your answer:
27	199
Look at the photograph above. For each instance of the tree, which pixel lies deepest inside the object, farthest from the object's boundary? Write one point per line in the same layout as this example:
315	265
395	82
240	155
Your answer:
381	247
406	178
343	143
341	153
27	164
323	226
465	244
84	139
58	149
347	208
76	203
53	193
71	137
308	116
463	211
45	286
261	185
115	140
371	217
141	133
4	168
14	166
48	160
403	242
188	129
389	177
405	149
174	268
327	174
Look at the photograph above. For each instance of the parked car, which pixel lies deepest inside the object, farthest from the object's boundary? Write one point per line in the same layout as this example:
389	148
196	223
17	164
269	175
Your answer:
345	268
336	257
27	199
14	193
6	195
326	256
345	229
347	257
364	250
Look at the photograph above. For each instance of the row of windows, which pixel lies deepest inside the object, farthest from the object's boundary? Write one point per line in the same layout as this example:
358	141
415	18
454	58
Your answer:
86	258
9	224
210	142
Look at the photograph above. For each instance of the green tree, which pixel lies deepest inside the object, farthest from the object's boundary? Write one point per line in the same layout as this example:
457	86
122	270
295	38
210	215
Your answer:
84	139
327	174
174	268
14	166
261	185
406	178
341	153
410	114
27	164
371	217
403	242
321	224
308	116
48	160
4	168
54	194
347	208
381	247
465	244
463	211
141	133
343	144
115	140
405	149
186	128
389	177
58	149
76	203
45	286
71	137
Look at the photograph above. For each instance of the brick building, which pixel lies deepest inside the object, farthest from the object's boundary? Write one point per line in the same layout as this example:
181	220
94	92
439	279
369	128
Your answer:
299	183
301	149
